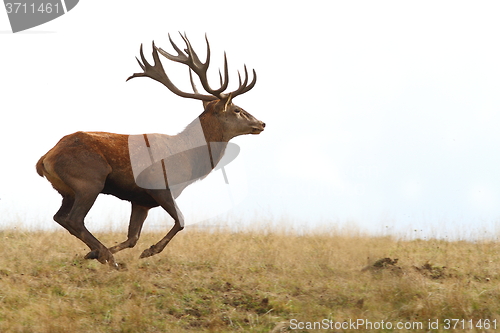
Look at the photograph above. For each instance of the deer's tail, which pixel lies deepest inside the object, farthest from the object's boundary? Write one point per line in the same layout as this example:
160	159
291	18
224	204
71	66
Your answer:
40	168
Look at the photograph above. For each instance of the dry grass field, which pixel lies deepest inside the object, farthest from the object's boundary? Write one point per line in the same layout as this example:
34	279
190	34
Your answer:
250	282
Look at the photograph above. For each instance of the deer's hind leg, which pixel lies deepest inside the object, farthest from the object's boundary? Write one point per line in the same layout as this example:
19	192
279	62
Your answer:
77	229
63	212
74	223
80	188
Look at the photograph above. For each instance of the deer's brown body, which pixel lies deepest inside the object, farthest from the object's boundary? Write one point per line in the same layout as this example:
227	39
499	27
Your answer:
84	164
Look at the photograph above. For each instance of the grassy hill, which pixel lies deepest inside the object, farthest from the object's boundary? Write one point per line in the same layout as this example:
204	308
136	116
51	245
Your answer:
249	282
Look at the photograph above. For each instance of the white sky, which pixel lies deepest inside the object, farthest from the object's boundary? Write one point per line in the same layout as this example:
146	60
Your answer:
381	114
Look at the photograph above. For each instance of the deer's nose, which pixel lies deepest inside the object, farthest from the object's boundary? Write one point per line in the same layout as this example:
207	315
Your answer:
263	124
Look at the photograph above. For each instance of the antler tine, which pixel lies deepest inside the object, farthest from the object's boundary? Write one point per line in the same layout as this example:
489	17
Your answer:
144	65
190	58
252	84
156	72
181	57
193	58
243	87
226	74
192	81
140	63
201	68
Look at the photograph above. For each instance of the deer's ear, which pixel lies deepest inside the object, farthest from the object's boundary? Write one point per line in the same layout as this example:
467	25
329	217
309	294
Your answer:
205	104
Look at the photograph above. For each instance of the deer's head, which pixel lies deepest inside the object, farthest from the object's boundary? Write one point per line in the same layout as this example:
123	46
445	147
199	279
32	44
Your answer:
220	113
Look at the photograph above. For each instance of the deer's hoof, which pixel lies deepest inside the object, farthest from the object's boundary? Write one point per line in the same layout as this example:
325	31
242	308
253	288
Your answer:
92	255
118	266
102	257
147	253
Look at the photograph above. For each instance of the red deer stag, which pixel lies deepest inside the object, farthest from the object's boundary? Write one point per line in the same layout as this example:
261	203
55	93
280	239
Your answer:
83	164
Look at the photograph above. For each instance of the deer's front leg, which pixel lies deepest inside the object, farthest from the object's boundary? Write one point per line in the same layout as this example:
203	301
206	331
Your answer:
166	200
139	214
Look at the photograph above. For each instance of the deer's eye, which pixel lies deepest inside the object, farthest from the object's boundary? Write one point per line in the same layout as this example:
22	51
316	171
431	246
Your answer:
237	110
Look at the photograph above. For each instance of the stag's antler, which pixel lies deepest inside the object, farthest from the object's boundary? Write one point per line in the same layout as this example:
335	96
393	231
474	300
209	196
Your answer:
190	58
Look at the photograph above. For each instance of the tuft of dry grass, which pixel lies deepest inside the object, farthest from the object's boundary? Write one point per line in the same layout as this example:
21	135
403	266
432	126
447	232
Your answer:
247	281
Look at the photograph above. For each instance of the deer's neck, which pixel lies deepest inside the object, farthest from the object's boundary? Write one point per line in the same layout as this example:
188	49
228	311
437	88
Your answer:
207	131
